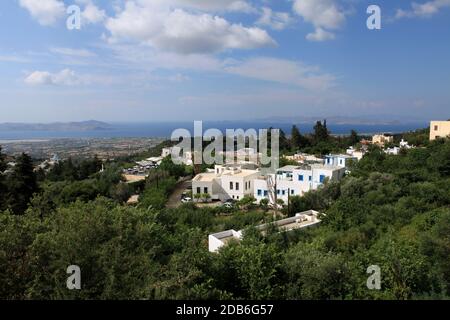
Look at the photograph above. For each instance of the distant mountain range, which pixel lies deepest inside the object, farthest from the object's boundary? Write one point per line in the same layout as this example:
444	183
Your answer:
91	125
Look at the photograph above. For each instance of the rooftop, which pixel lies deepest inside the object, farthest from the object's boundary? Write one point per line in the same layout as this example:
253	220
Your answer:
346	156
288	168
205	177
240	173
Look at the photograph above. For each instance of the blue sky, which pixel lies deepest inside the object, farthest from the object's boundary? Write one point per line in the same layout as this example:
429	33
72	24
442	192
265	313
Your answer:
164	60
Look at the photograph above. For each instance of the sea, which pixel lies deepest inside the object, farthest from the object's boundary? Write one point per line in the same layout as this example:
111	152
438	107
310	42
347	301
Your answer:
165	129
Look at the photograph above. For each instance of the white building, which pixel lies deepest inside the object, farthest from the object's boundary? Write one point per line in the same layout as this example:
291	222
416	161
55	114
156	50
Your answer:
358	154
305	158
225	182
299	221
241	156
295	181
340	160
185	158
396	150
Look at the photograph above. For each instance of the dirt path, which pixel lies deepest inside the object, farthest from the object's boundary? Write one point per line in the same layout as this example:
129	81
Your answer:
175	198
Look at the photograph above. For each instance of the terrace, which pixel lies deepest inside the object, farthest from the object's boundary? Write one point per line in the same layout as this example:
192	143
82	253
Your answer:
299	221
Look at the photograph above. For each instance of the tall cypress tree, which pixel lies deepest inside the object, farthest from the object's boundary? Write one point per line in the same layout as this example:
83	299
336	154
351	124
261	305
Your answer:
2	181
298	141
321	132
296	138
23	184
354	138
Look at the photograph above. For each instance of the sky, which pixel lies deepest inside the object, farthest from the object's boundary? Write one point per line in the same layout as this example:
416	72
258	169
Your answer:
177	60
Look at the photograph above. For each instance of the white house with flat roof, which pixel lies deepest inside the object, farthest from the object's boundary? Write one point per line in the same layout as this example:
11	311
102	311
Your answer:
295	181
299	221
358	154
340	160
226	182
305	158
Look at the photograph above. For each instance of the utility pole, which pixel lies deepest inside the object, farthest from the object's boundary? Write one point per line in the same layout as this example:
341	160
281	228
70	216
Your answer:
289	201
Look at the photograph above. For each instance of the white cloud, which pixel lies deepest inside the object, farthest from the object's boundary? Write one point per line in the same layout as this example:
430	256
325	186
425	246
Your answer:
65	77
179	78
46	12
320	35
81	53
204	5
425	10
274	20
92	14
180	31
324	15
283	71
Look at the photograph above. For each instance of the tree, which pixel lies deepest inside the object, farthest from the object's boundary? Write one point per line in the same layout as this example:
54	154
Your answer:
22	184
354	138
121	192
313	274
175	170
280	203
197	197
298	141
2	161
246	202
284	143
295	138
321	133
207	197
264	203
3	190
116	247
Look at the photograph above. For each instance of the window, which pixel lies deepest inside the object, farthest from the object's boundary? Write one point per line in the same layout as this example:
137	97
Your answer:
292	192
231	185
436	128
237	185
205	190
199	190
237	197
266	193
322	178
310	178
340	161
259	192
300	178
283	192
278	191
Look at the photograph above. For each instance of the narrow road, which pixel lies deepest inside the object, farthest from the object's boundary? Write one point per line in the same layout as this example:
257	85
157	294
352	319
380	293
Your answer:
175	198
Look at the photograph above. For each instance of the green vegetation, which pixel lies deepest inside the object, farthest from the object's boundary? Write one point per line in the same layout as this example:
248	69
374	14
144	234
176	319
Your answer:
319	142
391	211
